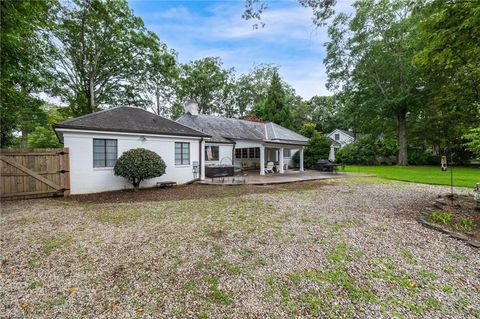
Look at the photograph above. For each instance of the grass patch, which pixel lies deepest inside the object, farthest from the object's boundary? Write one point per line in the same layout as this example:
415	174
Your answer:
35	284
217	295
465	225
57	243
462	176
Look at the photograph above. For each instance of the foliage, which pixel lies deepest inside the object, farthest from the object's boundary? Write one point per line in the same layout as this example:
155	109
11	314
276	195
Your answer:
422	157
473	141
308	130
44	136
139	164
205	82
369	59
462	176
102	54
318	146
441	217
25	54
362	151
275	108
161	80
465	225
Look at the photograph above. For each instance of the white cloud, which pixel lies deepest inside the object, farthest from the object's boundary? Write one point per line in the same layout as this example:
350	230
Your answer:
289	39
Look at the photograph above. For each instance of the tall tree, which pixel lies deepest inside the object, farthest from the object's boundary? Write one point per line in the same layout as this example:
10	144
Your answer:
102	50
369	56
275	108
25	55
207	83
161	79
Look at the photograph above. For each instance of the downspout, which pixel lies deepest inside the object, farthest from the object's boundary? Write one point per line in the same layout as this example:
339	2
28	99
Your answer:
200	159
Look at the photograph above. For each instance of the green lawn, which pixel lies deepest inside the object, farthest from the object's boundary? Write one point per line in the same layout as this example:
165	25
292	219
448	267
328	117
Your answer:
462	176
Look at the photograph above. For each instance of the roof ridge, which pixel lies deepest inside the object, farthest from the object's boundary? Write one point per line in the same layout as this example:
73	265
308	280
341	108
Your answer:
90	114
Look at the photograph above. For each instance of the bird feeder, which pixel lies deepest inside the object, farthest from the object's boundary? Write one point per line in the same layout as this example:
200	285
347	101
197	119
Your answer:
444	163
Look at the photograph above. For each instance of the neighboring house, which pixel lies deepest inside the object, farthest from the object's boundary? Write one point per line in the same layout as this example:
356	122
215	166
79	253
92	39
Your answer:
341	138
96	141
244	143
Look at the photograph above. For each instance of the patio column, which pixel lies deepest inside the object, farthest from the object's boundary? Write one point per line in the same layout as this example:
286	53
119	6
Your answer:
202	160
281	160
262	160
301	159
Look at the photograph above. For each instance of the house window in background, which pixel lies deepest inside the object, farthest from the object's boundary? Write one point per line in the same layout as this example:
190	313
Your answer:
287	153
337	137
238	153
251	152
211	153
182	153
104	152
257	152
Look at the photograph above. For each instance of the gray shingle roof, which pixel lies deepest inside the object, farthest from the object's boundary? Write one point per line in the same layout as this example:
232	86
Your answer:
224	130
131	120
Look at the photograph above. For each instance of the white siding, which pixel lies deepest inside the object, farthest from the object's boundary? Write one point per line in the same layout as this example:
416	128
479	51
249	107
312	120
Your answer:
344	139
84	178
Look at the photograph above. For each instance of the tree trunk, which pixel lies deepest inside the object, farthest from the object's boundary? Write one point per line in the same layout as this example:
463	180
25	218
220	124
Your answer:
402	138
24	139
136	186
91	89
157	96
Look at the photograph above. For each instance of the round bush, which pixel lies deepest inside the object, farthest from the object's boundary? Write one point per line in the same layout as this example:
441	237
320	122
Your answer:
139	164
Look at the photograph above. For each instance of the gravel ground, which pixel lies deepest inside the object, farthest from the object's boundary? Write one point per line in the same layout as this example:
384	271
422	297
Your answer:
339	249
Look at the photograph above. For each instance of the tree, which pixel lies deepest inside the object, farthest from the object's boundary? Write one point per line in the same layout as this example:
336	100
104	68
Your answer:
44	135
102	50
473	141
208	84
318	145
161	79
369	56
252	88
25	55
139	164
275	108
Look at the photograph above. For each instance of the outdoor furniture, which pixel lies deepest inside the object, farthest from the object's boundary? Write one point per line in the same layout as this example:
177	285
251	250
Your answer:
269	168
166	184
326	166
244	165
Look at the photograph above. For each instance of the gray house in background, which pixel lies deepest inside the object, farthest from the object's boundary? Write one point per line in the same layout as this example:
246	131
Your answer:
340	137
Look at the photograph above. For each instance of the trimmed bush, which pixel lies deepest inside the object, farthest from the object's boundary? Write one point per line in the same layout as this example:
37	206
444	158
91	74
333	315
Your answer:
139	164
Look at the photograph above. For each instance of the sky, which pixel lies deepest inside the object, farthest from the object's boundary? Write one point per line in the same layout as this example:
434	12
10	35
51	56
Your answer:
200	28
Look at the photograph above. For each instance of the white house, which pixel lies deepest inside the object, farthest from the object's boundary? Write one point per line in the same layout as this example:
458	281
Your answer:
96	141
246	144
341	138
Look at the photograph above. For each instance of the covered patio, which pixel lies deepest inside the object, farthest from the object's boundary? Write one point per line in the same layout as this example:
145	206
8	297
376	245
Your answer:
267	158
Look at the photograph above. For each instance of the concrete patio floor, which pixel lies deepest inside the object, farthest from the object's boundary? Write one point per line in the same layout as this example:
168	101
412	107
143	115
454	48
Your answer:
290	176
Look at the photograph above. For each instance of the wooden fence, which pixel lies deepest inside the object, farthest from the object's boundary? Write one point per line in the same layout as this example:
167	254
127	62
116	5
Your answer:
30	173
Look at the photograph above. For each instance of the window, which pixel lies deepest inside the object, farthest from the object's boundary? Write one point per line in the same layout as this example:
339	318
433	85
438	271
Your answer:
244	152
337	137
211	153
104	152
182	153
238	153
257	152
251	153
287	153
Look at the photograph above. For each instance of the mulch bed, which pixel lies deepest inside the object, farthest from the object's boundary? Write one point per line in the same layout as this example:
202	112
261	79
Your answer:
460	206
191	191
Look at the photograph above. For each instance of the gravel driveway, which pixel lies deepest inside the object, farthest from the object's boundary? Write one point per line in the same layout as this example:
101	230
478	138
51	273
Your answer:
345	248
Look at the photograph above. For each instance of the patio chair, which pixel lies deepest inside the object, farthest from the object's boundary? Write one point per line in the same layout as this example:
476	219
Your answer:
244	165
269	168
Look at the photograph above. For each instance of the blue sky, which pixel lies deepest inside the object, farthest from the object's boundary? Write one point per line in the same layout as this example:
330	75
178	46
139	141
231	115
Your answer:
199	28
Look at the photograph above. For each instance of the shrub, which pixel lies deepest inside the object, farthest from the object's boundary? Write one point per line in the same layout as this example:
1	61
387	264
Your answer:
139	164
421	157
318	148
439	217
465	225
362	151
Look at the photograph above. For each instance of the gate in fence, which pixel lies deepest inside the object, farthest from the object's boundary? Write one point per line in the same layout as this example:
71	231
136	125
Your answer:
31	173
